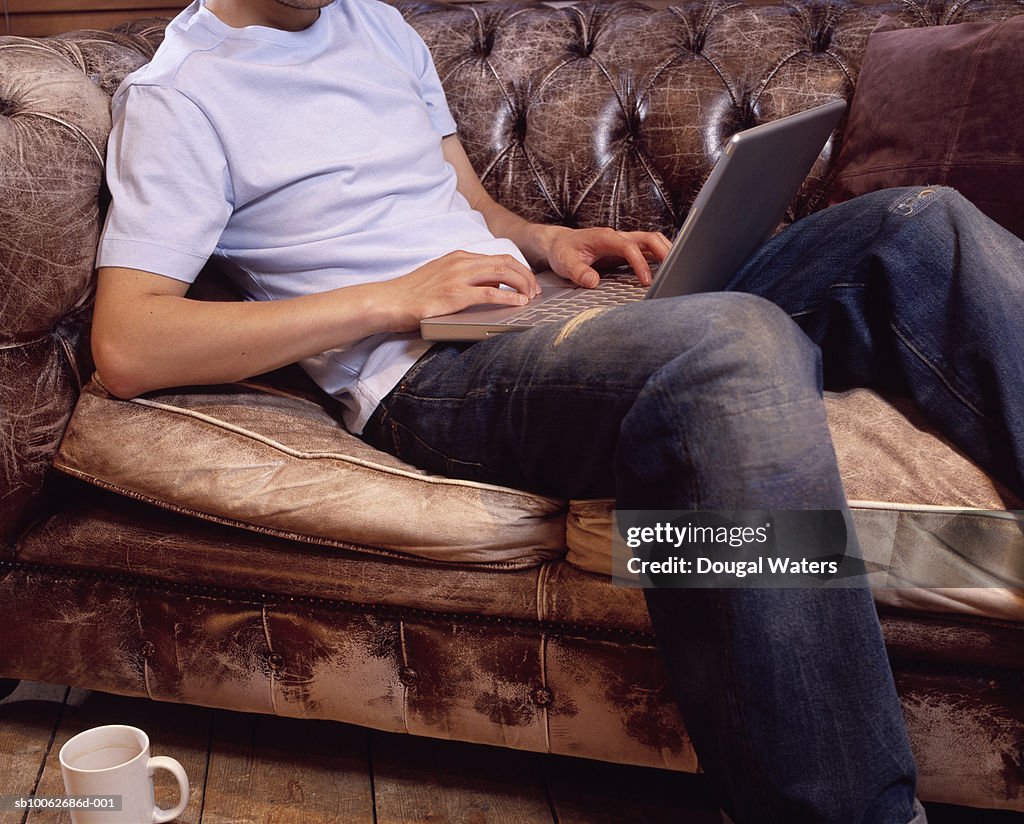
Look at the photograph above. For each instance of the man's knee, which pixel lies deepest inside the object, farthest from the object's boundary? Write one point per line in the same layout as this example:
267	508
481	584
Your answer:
756	341
916	201
736	421
910	205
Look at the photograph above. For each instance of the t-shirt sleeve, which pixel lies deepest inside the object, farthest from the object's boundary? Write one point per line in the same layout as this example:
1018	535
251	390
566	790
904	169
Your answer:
169	184
430	84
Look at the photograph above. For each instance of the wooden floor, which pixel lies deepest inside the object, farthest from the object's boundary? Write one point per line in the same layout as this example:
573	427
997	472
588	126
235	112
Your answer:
252	768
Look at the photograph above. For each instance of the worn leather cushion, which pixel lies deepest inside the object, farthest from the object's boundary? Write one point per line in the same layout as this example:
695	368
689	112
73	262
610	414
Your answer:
931	108
277	462
922	510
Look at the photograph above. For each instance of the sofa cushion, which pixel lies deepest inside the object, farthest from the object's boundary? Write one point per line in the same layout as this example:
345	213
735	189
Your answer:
934	106
273	459
921	508
277	462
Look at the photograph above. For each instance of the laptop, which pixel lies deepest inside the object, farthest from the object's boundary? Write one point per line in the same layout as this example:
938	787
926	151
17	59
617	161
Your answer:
739	207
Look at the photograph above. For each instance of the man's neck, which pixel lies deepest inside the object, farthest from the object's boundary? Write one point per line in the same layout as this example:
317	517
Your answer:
241	13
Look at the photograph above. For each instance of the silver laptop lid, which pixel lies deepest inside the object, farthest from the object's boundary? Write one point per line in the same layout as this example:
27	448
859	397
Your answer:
744	200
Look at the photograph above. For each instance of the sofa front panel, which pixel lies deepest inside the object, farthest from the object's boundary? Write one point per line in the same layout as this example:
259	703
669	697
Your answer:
617	686
336	663
587	693
201	649
63	628
475	681
967	734
102	534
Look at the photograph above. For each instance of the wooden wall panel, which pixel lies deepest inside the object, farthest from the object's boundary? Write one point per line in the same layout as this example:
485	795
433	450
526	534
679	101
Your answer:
33	6
36	18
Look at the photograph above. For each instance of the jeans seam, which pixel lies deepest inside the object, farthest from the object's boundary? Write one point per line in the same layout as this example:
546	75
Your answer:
800	313
937	372
757	783
448	460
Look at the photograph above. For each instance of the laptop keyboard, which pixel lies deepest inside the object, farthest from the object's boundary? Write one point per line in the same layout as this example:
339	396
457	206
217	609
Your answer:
613	290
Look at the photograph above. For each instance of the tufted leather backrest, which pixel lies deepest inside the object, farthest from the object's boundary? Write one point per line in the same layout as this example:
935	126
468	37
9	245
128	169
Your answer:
614	113
605	112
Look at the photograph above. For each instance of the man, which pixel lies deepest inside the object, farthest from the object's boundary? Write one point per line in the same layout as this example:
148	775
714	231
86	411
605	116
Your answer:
307	146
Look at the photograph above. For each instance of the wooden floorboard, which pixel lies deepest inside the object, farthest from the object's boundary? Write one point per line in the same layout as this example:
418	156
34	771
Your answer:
28	720
420	780
283	770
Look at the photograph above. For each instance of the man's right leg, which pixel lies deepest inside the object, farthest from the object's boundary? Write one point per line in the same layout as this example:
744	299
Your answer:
709	402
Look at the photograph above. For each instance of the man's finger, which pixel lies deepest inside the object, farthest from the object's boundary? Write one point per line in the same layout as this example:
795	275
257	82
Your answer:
584	275
495	269
529	278
630	249
654	242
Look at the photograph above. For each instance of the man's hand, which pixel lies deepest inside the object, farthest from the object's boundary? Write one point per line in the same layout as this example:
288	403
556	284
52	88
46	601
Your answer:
569	252
572	252
455	281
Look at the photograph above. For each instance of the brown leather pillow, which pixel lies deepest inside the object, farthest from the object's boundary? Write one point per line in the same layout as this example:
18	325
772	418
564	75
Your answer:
940	105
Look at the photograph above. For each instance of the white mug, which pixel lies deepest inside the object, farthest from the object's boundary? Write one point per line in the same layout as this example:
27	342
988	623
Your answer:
114	760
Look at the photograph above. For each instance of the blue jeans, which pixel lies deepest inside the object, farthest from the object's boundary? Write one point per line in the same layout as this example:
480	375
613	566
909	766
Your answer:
914	291
713	401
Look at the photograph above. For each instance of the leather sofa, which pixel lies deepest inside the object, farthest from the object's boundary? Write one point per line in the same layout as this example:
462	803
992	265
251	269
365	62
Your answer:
232	546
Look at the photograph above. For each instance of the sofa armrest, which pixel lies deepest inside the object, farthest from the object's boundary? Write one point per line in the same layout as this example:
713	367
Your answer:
53	127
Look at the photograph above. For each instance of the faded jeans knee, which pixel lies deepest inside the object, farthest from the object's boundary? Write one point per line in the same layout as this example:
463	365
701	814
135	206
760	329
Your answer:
736	422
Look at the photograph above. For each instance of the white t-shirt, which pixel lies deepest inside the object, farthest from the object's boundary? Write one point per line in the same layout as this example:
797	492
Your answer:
301	161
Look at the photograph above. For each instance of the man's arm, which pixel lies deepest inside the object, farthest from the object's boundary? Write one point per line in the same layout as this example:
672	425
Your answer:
147	335
569	252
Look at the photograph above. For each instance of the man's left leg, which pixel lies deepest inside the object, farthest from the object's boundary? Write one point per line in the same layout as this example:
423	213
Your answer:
912	290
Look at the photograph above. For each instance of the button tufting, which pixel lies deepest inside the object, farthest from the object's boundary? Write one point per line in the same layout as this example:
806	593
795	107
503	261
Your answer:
821	40
485	45
408	676
519	125
147	649
542	697
275	661
581	49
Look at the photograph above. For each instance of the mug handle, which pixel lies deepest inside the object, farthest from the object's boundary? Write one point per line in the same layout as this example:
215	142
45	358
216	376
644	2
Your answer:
162	762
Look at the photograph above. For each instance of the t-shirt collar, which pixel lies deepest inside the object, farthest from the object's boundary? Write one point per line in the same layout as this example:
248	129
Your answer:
267	34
